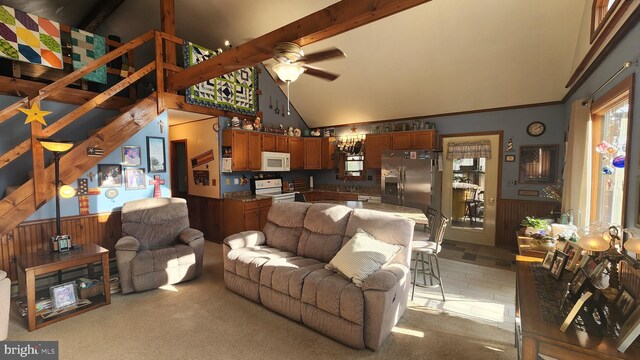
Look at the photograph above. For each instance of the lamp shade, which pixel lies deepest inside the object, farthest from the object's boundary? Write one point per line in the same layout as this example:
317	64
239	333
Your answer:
633	241
594	242
56	145
288	72
67	192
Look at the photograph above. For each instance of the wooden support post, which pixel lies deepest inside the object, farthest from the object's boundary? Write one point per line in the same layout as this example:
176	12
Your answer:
39	178
159	72
168	26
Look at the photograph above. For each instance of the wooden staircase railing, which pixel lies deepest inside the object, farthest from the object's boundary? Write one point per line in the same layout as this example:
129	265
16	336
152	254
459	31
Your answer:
40	190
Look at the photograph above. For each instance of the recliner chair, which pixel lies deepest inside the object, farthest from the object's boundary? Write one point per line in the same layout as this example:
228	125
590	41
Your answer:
158	247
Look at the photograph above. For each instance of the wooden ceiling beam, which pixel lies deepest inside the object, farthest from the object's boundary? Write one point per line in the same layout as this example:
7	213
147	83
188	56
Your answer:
98	14
333	20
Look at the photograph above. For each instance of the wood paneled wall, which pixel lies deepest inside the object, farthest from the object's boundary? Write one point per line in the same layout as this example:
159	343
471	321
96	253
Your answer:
33	236
510	214
205	214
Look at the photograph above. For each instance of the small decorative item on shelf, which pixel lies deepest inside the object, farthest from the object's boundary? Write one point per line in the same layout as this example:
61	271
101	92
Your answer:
290	131
247	125
315	132
306	132
257	124
543	243
235	122
297	132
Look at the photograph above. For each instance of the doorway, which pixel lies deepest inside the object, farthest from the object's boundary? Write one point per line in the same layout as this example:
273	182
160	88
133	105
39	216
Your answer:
470	181
178	153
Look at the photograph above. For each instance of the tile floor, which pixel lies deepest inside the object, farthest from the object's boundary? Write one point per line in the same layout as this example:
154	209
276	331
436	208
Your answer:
473	290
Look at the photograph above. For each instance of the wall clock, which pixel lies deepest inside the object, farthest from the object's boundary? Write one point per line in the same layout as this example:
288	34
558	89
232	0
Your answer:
536	128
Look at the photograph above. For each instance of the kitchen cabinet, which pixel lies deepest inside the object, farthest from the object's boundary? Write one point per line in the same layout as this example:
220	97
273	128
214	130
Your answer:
253	151
296	151
328	150
282	144
312	153
238	141
373	147
414	140
245	215
268	142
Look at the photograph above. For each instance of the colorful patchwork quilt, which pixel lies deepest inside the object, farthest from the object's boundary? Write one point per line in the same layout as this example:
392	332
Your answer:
29	38
87	47
235	91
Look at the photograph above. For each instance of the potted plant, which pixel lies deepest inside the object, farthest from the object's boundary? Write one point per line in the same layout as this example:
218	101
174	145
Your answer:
534	225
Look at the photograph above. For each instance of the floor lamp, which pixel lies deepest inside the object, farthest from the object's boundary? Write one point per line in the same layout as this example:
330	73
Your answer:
57	147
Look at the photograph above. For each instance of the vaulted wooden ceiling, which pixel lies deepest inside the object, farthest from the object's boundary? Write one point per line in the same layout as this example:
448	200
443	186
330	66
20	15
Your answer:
438	57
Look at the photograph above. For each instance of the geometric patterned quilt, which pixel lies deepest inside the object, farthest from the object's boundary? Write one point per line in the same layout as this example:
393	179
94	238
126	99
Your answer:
235	91
29	38
87	47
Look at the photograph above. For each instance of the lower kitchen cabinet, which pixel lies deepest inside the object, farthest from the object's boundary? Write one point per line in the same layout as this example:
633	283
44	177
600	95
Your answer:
245	215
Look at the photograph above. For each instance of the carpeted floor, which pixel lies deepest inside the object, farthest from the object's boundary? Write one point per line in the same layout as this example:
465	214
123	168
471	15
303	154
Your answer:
201	319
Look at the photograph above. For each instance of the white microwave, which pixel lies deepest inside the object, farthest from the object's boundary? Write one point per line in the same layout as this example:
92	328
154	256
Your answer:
275	161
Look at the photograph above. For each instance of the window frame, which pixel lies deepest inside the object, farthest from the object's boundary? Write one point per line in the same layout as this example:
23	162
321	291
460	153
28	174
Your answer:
619	93
600	20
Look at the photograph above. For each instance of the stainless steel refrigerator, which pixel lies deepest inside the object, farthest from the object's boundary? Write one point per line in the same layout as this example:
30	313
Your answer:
409	177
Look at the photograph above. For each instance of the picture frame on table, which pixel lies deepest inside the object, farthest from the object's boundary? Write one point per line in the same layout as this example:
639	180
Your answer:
548	259
559	261
578	282
156	157
109	175
625	304
590	267
629	330
131	155
63	295
574	253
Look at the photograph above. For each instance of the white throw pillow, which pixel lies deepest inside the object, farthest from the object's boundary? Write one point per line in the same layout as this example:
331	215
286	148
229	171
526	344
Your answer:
362	256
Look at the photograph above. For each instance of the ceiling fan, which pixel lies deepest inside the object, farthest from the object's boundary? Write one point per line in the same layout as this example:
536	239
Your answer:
292	62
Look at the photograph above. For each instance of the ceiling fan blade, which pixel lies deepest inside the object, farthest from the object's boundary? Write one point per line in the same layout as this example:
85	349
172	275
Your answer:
321	73
323	55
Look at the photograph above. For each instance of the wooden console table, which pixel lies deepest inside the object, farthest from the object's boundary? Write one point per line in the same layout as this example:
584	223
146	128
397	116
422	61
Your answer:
535	336
32	265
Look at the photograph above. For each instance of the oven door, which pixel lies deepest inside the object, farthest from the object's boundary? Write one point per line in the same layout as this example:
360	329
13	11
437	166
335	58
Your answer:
274	161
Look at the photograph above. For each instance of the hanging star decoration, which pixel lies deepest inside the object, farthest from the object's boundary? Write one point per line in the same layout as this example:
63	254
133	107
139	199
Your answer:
35	114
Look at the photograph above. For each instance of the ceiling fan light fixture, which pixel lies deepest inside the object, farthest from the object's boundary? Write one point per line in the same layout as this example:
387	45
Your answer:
288	72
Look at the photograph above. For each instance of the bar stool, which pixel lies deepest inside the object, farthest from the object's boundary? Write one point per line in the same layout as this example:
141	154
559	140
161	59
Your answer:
430	249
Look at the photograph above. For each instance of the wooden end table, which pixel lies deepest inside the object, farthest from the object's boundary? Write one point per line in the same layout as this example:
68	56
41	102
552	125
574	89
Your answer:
32	265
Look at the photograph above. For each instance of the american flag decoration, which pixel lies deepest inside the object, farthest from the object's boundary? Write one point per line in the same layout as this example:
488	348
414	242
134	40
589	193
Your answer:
95	151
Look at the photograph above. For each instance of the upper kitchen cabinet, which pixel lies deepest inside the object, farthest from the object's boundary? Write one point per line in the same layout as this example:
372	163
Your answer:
414	140
312	153
296	150
328	150
268	142
238	141
373	147
254	156
282	143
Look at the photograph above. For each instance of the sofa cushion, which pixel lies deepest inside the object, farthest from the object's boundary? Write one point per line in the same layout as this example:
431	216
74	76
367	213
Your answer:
332	293
247	262
148	261
384	227
155	222
284	225
362	256
324	227
287	275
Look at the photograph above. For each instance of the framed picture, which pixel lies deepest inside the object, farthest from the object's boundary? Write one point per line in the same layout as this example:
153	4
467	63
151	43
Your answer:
156	159
131	155
625	303
510	158
548	259
63	295
574	252
109	175
557	266
578	282
538	164
134	179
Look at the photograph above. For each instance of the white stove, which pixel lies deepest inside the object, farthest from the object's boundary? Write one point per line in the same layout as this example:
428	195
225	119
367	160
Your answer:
273	189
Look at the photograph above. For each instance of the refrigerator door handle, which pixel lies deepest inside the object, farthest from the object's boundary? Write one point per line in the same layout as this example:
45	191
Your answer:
403	176
400	187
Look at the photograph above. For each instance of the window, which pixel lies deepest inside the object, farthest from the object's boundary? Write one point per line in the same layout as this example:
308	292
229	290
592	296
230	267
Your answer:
610	136
601	11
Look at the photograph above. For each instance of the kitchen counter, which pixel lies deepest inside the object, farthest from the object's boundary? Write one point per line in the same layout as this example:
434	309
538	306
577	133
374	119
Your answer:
416	215
244	197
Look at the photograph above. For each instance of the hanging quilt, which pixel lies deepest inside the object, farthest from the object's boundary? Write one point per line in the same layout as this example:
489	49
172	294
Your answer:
87	47
29	38
235	91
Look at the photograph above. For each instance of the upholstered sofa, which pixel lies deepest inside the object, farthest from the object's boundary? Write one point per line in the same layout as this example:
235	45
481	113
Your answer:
283	268
5	293
158	246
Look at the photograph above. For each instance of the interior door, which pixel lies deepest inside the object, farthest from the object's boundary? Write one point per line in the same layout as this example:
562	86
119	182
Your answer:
470	192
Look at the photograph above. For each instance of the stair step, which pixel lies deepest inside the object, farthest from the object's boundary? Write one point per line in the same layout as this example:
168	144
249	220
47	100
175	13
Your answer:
10	189
93	131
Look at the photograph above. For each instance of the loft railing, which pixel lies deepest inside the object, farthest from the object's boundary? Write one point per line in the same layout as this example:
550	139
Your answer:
37	131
